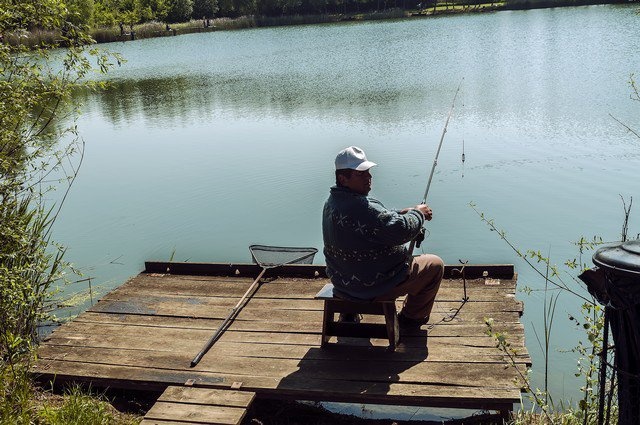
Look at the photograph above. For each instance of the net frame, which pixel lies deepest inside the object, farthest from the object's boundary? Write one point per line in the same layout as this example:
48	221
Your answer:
268	256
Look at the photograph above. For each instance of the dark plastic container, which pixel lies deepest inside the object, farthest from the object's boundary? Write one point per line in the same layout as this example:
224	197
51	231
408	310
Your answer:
615	283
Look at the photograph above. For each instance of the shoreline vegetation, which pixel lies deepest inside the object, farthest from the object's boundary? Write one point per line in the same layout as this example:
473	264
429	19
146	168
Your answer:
153	29
158	29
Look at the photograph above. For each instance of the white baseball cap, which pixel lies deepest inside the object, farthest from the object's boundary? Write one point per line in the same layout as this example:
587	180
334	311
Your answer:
353	158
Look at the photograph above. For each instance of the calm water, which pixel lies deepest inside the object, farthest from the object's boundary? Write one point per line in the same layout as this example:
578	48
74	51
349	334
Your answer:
208	143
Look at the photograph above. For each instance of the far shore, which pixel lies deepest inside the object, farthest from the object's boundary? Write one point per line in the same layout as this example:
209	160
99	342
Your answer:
159	29
155	29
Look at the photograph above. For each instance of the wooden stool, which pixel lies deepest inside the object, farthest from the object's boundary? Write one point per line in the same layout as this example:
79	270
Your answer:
332	305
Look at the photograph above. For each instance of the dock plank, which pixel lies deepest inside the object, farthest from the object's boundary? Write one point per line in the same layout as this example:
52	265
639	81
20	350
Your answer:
188	405
208	396
187	307
449	328
191	342
152	301
199	414
287	288
315	365
296	387
78	331
194	414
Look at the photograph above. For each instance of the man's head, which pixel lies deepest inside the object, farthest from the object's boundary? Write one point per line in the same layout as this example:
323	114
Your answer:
352	170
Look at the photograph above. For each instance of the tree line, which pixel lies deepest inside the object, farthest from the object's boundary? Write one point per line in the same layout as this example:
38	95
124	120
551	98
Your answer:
109	13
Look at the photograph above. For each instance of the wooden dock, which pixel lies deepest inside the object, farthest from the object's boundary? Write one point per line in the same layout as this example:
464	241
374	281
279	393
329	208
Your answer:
144	334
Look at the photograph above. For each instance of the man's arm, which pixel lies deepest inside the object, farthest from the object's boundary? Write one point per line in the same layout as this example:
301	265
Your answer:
397	227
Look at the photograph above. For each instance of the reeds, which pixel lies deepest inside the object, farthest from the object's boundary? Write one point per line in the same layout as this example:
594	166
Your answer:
33	39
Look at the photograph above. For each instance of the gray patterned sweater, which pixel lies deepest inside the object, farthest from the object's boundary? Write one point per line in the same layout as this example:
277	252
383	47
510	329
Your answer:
364	243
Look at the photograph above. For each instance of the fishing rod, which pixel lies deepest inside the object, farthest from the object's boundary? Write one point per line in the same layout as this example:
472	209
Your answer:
420	237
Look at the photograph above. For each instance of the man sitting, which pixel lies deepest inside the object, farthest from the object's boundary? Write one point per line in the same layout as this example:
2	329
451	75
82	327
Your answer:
364	244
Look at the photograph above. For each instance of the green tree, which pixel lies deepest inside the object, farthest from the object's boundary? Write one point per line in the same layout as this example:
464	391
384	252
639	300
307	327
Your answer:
179	10
289	7
128	13
235	8
226	8
104	15
81	11
206	8
110	12
152	9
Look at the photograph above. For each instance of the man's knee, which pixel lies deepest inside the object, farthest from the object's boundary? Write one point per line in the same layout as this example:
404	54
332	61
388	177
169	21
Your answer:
431	264
439	265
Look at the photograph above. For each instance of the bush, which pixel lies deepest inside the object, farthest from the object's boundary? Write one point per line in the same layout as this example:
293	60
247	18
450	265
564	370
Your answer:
35	88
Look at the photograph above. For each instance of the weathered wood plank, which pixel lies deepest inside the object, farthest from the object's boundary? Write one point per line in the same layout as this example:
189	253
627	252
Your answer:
196	413
449	328
318	366
471	271
466	354
151	301
300	387
264	294
208	396
82	330
303	310
222	269
189	405
194	307
286	287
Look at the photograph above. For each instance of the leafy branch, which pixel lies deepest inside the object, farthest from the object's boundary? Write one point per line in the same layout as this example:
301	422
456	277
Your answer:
503	344
554	278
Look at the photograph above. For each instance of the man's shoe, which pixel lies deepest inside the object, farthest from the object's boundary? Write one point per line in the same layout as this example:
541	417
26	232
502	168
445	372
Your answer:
409	323
349	318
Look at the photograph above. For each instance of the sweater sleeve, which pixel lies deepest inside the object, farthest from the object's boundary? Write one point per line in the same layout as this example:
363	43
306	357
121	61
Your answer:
393	228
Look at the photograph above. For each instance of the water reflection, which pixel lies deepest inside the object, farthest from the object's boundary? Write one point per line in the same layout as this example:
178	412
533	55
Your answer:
173	100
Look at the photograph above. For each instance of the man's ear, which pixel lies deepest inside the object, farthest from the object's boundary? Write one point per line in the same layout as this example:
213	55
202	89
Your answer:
342	179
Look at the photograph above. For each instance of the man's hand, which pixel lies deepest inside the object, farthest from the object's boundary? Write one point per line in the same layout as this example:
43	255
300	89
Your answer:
423	208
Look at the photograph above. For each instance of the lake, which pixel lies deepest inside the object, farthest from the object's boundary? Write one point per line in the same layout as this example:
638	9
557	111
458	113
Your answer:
208	143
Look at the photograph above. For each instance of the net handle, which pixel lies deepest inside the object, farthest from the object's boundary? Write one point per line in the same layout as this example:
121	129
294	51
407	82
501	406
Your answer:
307	252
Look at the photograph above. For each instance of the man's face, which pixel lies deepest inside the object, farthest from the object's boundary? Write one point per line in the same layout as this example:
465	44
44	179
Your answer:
359	182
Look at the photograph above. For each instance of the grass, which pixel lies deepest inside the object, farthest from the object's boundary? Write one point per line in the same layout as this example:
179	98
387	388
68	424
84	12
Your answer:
80	407
21	402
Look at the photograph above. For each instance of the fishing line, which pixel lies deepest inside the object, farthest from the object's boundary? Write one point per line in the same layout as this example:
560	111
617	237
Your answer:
463	157
453	312
463	132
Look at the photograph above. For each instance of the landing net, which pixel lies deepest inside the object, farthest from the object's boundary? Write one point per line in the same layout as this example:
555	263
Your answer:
273	256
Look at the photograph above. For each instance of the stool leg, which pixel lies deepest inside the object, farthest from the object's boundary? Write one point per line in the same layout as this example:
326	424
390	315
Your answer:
327	318
391	320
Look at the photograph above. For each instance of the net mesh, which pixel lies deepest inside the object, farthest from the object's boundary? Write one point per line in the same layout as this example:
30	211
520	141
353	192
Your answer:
273	256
